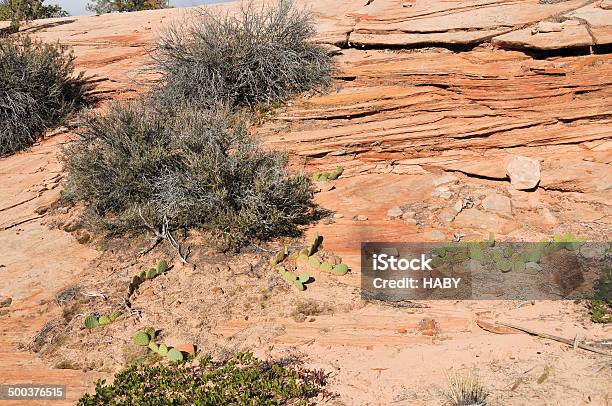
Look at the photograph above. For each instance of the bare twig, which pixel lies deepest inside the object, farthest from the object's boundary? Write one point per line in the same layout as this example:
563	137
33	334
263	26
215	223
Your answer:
556	338
94	294
165	234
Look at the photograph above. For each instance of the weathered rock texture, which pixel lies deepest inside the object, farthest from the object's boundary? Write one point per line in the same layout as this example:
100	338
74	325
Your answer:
431	102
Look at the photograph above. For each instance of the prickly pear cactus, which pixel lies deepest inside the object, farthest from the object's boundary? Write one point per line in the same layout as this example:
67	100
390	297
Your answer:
278	258
141	338
491	241
299	285
314	245
163	349
151	273
304	277
290	276
91	322
175	355
314	262
150	331
153	347
104	320
162	266
341	269
326	267
115	315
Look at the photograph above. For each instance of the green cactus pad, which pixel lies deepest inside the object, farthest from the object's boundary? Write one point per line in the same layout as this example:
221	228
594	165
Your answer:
91	322
299	285
491	241
151	273
315	176
290	276
304	277
141	338
504	265
314	261
302	258
153	346
326	266
175	355
143	275
115	315
335	174
518	265
340	269
163	349
150	331
136	280
278	258
314	245
104	320
162	266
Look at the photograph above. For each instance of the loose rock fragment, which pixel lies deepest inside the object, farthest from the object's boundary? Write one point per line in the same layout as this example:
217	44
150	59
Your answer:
524	172
497	203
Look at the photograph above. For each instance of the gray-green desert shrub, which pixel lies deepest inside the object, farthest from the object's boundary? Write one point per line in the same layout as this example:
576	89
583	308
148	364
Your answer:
258	55
38	89
193	169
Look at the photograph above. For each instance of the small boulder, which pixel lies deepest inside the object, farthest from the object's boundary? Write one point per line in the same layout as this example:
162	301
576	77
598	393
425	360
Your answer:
524	172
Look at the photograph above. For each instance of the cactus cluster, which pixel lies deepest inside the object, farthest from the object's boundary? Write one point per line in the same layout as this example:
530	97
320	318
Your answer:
297	280
306	256
504	258
146	338
325	176
93	321
161	267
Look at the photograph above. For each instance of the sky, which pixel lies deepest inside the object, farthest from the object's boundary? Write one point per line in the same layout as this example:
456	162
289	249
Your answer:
78	7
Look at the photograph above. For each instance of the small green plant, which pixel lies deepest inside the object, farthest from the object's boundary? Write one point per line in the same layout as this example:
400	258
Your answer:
314	245
325	176
91	322
242	380
104	320
279	257
141	338
340	269
600	306
175	355
137	280
326	267
298	280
